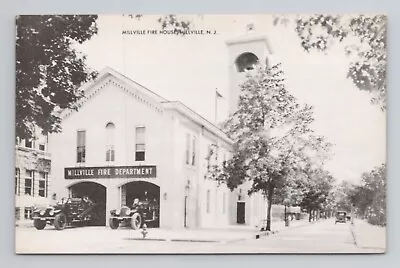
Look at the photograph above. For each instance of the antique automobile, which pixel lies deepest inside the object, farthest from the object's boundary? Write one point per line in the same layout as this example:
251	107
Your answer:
68	212
340	217
135	216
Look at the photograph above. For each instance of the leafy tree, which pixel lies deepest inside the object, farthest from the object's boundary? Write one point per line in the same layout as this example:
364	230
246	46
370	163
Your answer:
367	35
272	137
317	190
343	193
369	197
48	69
330	203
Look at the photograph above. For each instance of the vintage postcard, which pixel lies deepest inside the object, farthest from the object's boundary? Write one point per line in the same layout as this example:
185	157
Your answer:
200	134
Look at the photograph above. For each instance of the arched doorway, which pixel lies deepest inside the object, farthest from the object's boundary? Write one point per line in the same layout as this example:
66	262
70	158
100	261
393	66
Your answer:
97	193
147	193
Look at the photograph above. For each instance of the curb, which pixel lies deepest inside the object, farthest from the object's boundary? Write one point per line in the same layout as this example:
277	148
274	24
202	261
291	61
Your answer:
24	225
353	234
262	234
147	239
267	233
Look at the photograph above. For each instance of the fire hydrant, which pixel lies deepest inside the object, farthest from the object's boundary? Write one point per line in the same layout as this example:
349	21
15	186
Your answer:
144	231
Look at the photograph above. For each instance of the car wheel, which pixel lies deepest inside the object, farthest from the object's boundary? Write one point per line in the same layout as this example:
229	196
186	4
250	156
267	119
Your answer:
39	224
60	221
136	221
114	223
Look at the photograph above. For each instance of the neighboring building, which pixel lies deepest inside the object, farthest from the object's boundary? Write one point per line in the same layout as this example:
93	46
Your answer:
32	176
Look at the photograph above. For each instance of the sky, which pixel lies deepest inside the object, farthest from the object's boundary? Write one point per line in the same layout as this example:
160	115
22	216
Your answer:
190	68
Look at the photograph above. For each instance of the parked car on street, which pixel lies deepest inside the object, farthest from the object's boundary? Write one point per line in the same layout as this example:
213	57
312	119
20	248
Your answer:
341	217
135	216
72	211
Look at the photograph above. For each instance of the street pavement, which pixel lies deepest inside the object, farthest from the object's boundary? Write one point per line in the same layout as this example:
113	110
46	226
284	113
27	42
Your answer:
323	236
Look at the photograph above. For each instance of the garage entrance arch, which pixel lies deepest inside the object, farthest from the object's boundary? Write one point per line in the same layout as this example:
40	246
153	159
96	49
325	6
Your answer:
147	193
96	193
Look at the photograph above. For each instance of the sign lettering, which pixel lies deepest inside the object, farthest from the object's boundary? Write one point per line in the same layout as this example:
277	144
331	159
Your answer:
110	172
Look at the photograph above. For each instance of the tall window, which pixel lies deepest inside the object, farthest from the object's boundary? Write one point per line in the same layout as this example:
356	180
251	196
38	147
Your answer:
43	184
17	213
194	151
42	147
110	150
28	144
29	182
212	154
27	213
140	149
17	181
81	146
187	149
208	201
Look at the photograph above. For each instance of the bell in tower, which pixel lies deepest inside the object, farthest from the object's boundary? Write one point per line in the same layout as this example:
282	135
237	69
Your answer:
247	53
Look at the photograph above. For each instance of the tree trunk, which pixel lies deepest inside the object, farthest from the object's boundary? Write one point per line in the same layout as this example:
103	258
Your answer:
284	214
270	195
309	215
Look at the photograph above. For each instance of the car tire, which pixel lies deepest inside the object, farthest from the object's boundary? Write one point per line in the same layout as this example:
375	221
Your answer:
60	221
114	223
136	221
39	224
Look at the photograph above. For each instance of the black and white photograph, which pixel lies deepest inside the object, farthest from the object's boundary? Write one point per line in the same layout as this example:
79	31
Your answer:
200	134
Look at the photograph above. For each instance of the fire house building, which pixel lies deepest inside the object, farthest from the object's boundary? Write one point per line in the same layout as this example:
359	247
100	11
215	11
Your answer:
127	142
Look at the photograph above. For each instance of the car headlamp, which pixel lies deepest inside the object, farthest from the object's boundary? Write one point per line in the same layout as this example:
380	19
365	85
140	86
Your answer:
128	211
42	212
117	212
51	212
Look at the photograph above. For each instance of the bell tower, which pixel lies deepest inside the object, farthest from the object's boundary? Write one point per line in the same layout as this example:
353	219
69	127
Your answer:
247	53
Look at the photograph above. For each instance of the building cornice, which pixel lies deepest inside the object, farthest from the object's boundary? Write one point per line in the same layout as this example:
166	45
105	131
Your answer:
198	119
250	38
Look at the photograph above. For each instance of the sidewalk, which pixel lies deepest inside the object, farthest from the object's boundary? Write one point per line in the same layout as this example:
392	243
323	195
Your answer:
368	236
234	233
24	223
228	234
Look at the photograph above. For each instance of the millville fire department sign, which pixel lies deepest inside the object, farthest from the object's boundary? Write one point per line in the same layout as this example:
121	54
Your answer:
110	172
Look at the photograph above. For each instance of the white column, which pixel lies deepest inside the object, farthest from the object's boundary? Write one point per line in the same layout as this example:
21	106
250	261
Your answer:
112	201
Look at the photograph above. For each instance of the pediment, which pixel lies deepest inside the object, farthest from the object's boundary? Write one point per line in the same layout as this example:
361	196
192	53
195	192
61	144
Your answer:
133	89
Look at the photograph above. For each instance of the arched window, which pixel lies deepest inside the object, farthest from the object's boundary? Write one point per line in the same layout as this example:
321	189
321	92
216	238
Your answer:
110	150
246	62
